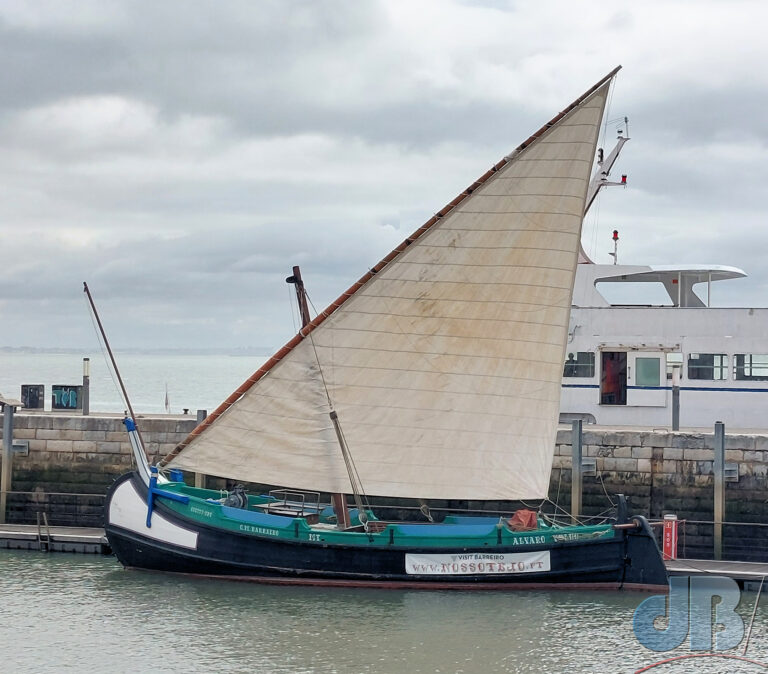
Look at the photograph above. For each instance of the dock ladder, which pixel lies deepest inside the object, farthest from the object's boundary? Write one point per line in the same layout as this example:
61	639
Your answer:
43	533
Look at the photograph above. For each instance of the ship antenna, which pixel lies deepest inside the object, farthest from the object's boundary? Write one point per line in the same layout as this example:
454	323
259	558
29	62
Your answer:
615	253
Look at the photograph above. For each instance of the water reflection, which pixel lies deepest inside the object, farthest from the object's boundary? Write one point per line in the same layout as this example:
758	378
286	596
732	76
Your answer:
78	613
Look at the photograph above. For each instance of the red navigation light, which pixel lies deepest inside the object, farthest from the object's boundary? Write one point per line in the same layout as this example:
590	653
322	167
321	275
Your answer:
624	179
615	234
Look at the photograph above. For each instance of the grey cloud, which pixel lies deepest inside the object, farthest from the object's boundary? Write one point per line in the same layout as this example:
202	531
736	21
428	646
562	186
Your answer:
186	227
210	59
266	72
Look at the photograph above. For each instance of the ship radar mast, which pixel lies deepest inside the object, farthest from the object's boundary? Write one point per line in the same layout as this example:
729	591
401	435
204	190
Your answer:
615	253
600	179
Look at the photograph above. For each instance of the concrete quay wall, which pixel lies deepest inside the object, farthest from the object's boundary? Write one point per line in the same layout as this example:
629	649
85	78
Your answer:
661	472
672	473
73	460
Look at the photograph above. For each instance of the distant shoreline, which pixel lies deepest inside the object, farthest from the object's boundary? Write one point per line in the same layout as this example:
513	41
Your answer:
261	351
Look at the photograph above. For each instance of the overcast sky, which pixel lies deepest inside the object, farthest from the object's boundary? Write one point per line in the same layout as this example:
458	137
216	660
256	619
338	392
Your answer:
181	157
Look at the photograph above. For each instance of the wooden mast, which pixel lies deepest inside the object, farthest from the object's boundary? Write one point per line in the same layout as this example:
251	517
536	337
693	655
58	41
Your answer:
301	296
339	501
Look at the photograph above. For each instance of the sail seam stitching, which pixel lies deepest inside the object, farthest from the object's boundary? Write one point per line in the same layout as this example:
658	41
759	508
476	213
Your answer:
272	362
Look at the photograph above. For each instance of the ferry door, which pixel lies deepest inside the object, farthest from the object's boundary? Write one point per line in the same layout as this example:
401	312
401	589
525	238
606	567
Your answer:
613	377
646	378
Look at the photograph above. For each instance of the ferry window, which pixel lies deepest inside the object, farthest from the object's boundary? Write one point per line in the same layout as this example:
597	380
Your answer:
708	366
647	371
635	293
580	364
751	367
674	360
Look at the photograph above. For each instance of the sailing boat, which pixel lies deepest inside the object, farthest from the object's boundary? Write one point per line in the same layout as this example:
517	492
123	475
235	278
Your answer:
436	376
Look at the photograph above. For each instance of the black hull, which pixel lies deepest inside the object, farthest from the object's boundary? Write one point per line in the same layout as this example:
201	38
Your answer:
630	559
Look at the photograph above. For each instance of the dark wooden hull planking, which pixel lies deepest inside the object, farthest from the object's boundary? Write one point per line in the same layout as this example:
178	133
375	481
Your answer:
629	559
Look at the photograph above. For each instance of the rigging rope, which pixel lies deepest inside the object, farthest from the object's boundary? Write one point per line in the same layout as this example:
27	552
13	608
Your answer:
605	491
754	613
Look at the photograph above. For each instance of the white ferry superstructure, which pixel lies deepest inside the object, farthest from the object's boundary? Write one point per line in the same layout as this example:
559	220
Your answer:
623	357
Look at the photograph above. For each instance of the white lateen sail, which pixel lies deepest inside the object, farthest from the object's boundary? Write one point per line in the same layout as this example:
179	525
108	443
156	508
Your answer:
445	365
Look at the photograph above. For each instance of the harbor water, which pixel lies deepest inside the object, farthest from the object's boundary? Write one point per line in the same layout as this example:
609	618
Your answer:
79	613
192	381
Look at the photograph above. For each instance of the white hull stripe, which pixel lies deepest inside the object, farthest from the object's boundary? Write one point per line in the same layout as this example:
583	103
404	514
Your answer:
128	510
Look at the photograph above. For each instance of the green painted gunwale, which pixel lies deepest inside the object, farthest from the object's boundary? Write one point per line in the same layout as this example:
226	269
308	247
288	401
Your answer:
211	514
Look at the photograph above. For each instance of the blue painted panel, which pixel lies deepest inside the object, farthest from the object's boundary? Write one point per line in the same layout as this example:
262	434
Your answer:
468	519
445	529
253	517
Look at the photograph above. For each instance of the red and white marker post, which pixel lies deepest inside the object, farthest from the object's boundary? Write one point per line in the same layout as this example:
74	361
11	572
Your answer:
669	548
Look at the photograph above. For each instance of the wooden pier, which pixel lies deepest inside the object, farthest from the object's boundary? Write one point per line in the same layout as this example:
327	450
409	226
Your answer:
53	539
748	575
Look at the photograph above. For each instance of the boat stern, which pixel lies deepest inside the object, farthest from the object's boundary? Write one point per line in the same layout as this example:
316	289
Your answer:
644	567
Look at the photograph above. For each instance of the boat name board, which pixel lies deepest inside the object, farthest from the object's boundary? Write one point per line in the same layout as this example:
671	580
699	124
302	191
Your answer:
572	536
529	540
474	563
259	530
559	538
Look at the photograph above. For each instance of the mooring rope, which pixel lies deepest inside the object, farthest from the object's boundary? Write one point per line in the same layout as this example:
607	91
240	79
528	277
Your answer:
754	613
